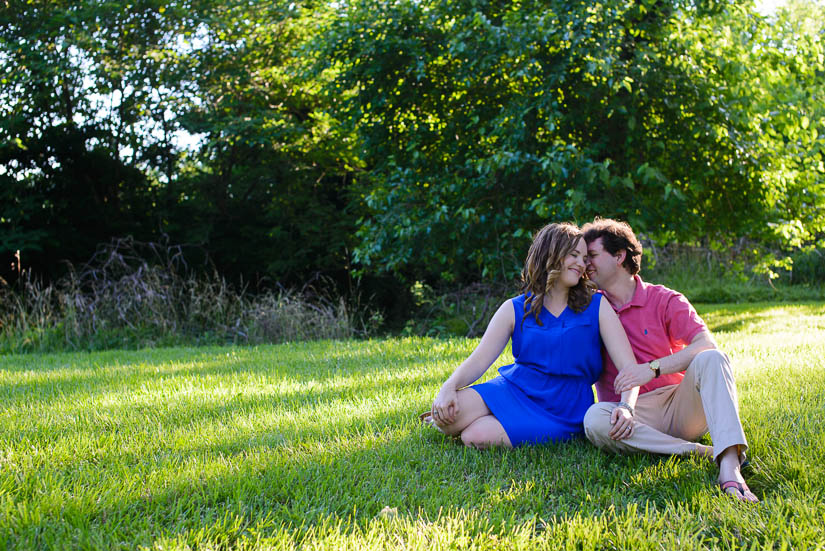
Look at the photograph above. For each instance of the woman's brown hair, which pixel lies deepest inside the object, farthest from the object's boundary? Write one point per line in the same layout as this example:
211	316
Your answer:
543	267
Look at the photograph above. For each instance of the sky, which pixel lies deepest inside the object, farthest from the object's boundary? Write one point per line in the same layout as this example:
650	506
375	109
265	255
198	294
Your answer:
768	6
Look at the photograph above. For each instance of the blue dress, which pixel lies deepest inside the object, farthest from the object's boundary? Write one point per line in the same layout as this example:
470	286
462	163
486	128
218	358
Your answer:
543	396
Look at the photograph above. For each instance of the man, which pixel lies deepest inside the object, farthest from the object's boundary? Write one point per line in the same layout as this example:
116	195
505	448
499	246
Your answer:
685	385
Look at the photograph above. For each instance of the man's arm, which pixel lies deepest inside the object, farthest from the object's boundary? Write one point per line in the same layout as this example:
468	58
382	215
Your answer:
679	361
638	375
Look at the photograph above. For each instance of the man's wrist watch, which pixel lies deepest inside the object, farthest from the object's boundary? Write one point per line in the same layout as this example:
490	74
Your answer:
654	367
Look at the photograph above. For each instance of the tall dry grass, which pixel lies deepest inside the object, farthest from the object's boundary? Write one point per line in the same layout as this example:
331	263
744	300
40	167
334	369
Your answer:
133	294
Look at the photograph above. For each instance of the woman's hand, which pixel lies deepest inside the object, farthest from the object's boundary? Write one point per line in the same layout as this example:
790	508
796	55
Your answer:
623	424
445	406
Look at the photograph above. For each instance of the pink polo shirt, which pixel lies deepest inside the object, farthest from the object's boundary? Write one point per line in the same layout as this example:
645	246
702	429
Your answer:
658	322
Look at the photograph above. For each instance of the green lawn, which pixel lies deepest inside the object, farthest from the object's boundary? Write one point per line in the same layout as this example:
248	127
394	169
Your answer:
304	445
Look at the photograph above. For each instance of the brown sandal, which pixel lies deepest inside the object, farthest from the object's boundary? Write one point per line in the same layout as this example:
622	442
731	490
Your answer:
743	493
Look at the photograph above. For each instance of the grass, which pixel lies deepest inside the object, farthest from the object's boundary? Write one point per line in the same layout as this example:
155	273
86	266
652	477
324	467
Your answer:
316	445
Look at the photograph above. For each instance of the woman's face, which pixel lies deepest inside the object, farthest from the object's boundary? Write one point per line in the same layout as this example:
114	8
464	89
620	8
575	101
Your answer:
573	265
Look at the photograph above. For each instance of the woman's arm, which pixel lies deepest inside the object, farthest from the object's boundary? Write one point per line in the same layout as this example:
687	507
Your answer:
488	350
618	347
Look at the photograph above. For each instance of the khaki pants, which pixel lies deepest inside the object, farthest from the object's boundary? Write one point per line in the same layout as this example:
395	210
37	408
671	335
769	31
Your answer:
669	419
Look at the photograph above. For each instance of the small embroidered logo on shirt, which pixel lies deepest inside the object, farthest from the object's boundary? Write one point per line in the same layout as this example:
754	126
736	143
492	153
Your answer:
645	331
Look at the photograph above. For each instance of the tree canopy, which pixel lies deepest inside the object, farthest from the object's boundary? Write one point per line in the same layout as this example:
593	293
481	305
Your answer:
420	138
481	121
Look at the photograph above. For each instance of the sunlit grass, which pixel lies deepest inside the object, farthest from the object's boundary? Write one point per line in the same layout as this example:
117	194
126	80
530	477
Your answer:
316	445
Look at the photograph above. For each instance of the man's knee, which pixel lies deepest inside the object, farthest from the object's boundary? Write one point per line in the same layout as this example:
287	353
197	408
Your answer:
712	359
711	356
597	421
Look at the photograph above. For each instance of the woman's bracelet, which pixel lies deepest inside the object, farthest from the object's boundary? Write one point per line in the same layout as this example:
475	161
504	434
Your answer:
628	407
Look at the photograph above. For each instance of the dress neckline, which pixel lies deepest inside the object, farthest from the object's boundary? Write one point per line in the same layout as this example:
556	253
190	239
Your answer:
543	307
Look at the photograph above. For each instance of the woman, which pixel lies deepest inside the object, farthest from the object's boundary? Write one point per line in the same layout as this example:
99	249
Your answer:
557	326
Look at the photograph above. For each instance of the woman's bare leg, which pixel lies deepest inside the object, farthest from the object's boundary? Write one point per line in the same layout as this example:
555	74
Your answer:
475	423
484	432
470	408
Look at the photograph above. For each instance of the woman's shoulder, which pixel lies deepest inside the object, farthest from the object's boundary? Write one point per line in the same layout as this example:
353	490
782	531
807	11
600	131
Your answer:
593	306
519	299
517	303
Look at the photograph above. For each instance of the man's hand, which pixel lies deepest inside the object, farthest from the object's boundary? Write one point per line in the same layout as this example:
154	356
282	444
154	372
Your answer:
629	377
623	425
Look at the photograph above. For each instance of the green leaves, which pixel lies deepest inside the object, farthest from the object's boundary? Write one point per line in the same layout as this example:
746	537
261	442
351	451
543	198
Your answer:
450	129
535	112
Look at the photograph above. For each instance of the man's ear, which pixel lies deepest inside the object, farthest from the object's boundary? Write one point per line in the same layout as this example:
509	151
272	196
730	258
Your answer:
620	256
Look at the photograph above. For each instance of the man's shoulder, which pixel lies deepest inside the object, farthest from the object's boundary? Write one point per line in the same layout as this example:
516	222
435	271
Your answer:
657	294
660	290
655	289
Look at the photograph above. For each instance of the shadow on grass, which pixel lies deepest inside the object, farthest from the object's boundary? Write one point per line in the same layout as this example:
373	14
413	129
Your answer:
351	470
113	372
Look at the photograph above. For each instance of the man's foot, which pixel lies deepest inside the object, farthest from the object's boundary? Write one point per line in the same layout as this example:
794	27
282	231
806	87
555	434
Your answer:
730	479
738	490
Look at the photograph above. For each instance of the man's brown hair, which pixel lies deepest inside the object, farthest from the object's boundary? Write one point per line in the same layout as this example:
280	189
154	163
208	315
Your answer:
616	237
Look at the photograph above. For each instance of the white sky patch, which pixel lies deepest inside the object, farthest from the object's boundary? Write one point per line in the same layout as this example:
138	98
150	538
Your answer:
766	7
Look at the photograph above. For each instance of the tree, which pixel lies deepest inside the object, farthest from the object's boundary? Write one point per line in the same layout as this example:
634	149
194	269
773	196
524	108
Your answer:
85	134
96	97
269	188
481	120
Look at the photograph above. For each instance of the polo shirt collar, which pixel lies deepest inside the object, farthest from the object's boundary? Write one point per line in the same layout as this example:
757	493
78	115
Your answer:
639	295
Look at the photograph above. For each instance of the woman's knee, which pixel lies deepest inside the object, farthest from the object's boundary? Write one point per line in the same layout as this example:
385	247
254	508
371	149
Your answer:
450	429
470	438
484	433
475	436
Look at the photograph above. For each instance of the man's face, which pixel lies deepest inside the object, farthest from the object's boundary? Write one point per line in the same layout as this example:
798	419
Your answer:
601	265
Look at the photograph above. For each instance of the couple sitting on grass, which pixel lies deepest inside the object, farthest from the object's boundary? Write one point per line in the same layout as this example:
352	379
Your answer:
664	383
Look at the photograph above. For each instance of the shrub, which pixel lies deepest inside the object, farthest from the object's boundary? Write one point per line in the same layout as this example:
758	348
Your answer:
133	294
809	266
463	311
711	276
